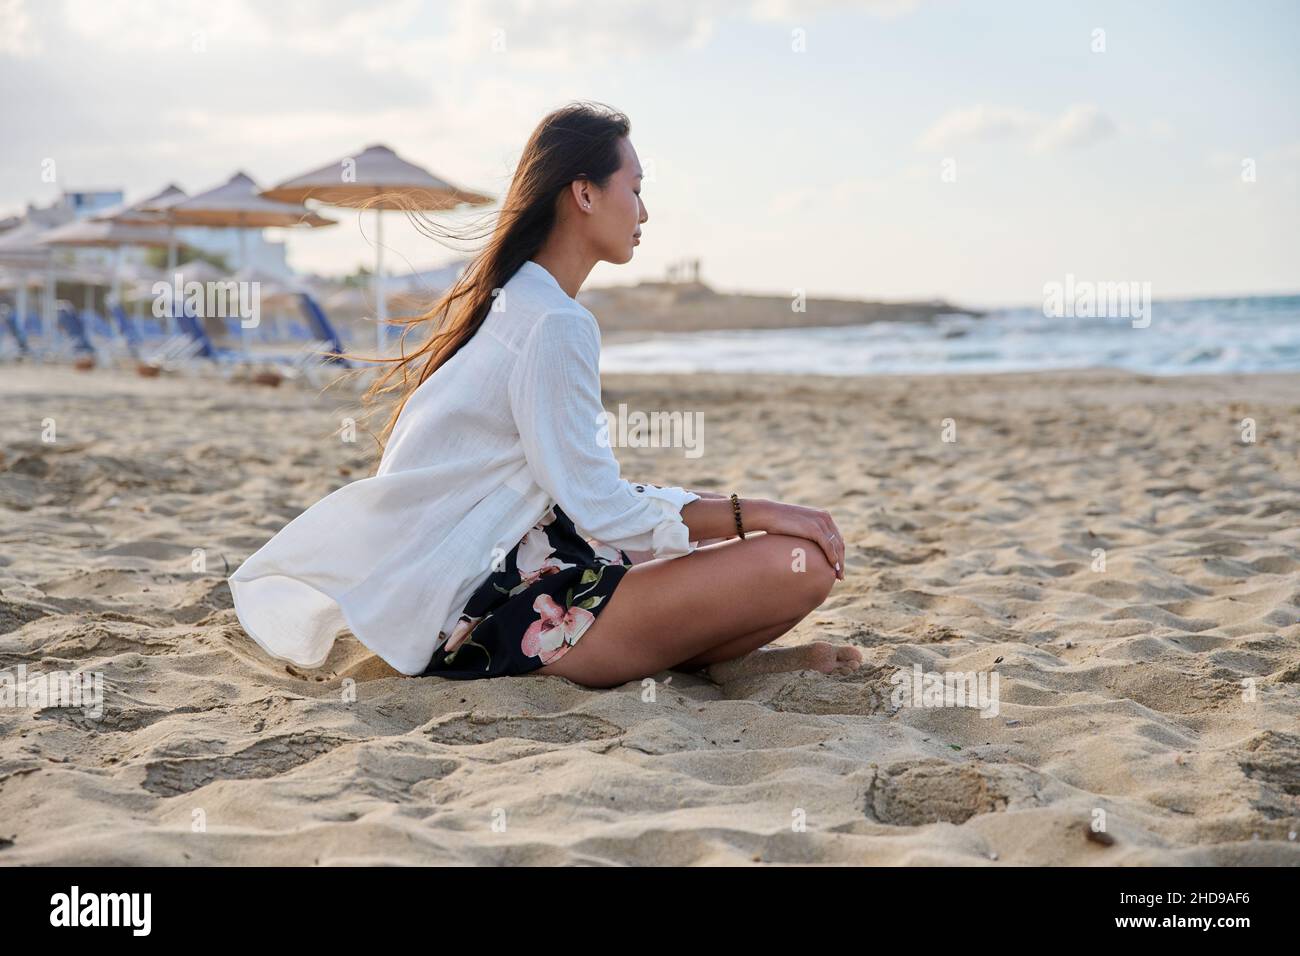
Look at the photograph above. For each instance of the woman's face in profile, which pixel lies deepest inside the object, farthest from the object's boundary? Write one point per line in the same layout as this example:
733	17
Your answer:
618	210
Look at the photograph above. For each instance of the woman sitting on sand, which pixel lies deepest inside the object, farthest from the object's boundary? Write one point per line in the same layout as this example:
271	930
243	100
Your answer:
491	540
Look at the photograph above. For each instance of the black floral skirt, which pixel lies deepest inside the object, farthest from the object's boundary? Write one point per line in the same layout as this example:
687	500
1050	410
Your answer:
528	613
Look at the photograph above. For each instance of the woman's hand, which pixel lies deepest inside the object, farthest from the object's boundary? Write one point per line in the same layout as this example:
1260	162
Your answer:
777	517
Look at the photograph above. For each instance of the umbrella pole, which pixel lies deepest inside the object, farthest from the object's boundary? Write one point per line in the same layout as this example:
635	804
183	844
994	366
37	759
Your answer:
381	327
47	315
171	324
117	277
21	297
243	266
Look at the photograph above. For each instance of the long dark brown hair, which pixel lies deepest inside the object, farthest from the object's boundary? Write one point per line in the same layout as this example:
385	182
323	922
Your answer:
579	141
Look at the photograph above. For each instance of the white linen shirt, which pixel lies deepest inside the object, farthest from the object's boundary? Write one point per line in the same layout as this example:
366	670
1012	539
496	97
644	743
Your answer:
508	426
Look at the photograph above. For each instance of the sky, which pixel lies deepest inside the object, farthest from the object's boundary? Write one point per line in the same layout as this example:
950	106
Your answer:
896	149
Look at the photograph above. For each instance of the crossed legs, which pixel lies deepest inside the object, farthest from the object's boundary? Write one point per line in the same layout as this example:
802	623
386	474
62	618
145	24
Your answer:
717	604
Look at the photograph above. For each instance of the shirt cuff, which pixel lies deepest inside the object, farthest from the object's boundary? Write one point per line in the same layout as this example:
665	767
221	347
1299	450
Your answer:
671	537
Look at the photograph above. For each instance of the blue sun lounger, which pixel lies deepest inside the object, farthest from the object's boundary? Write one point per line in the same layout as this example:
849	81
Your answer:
321	328
191	326
130	334
71	325
15	329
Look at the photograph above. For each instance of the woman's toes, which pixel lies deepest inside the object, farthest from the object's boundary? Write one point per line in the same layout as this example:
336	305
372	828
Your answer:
848	656
835	659
819	656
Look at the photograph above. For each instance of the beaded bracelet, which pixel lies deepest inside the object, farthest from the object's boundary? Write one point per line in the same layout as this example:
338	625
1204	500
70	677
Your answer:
735	507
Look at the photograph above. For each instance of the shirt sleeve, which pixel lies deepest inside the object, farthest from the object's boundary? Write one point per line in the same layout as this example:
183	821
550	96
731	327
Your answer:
555	400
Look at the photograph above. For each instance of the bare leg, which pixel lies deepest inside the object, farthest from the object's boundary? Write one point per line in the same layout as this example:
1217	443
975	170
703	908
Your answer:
748	656
737	646
669	611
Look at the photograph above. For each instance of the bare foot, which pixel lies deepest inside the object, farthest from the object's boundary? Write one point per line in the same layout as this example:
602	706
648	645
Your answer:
822	656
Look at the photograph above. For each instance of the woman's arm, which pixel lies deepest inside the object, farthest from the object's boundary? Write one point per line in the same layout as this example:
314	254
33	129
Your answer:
714	516
640	556
554	392
712	519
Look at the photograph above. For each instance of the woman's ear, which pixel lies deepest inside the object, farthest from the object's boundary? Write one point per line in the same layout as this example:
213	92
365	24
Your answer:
582	194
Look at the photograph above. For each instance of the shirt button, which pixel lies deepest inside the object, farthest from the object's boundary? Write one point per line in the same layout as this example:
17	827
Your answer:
640	487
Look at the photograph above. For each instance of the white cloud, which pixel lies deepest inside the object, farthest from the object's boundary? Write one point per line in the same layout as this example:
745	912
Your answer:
396	33
979	123
1078	126
834	197
17	38
571	32
805	9
565	33
144	26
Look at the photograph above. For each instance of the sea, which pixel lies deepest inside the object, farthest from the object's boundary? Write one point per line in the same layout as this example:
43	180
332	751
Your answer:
1183	337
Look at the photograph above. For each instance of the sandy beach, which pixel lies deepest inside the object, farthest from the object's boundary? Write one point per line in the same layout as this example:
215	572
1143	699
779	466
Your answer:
1105	542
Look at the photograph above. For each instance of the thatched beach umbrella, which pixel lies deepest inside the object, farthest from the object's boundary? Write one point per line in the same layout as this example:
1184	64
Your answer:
143	211
149	211
380	179
19	246
90	233
238	204
20	250
86	232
